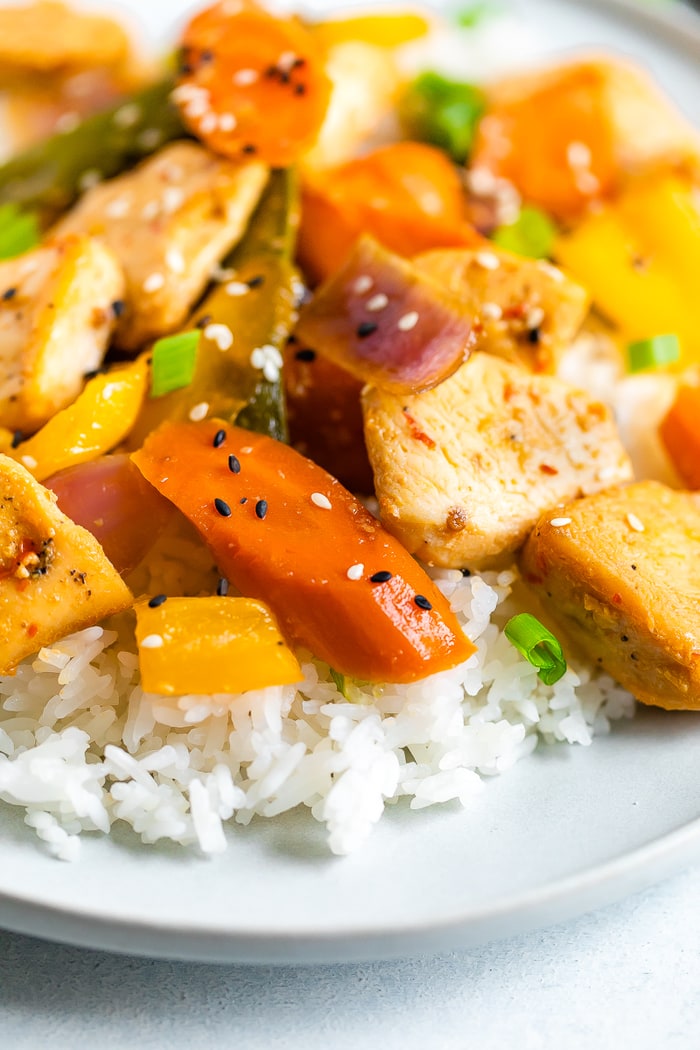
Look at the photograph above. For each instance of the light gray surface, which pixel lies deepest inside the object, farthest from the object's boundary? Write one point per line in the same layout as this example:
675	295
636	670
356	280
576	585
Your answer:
625	977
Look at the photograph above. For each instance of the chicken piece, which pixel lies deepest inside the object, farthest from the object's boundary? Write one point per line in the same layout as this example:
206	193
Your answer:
54	576
169	222
463	471
56	317
529	311
620	571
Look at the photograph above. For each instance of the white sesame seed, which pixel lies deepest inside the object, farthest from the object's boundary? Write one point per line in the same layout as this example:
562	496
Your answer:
208	123
222	273
286	60
185	92
118	207
535	317
482	181
227	122
199	412
355	572
173	197
408	321
128	115
237	288
558	523
377	302
362	284
67	122
175	260
29	462
271	371
89	179
153	282
586	182
491	311
578	155
244	77
257	357
487	260
220	334
149	138
152	641
321	501
634	522
551	271
150	210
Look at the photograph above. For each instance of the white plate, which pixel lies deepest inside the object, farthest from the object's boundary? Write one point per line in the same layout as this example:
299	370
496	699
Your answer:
565	831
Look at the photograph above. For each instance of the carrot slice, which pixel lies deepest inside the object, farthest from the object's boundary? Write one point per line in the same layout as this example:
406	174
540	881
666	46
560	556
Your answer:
251	83
680	433
287	533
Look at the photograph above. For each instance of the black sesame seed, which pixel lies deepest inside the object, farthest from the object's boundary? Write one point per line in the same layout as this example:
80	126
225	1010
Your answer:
256	282
466	572
249	148
366	328
633	656
534	335
234	464
380	577
284	76
624	638
157	600
261	508
17	439
93	374
206	56
307	354
422	602
634	568
186	69
222	507
8	294
219	438
222	587
243	499
271	72
118	307
203	321
300	89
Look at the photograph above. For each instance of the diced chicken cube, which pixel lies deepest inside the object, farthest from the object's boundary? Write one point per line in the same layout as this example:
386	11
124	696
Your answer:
169	222
463	471
54	576
56	317
529	311
620	570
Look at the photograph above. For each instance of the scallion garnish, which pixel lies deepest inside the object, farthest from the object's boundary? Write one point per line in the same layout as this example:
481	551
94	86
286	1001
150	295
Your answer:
173	362
339	680
537	645
19	231
532	234
443	112
652	353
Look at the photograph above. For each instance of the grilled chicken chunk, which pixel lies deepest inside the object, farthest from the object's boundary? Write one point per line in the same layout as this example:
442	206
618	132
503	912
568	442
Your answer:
620	571
56	317
54	576
169	222
528	310
463	471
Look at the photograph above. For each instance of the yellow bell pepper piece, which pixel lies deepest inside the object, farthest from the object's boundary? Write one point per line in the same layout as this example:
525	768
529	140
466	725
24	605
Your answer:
211	645
98	420
386	29
639	258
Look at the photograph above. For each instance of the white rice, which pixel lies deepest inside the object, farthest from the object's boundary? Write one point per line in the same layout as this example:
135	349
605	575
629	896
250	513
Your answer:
82	746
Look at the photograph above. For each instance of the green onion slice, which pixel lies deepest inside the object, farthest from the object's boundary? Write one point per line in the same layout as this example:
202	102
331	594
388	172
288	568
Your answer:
532	234
537	645
173	362
443	112
652	353
19	231
339	680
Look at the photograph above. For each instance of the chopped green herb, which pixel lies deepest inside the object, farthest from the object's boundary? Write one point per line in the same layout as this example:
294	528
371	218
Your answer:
532	234
537	645
339	680
173	362
19	231
652	353
443	112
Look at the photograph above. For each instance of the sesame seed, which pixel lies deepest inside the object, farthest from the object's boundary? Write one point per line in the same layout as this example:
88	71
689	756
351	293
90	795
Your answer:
245	77
408	321
150	211
249	149
67	122
220	334
208	123
152	641
243	499
128	115
157	600
199	412
321	501
257	281
551	271
234	464
422	602
634	522
558	523
355	572
222	587
380	577
118	208
227	122
586	182
362	284
261	508
29	462
222	273
377	302
366	328
153	282
492	311
535	317
89	179
578	155
237	288
8	294
17	439
175	260
219	438
222	508
203	321
307	354
149	138
287	61
487	260
173	198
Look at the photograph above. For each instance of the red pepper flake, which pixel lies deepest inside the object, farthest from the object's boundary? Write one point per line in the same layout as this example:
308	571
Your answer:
416	433
617	598
546	469
32	630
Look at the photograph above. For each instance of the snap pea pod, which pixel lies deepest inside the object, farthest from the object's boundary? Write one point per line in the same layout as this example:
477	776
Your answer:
259	315
49	176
